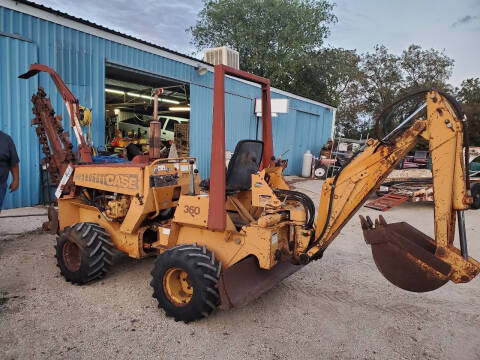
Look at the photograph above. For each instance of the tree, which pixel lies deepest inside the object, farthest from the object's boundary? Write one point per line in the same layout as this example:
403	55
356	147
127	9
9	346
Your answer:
385	78
472	111
425	69
377	86
277	39
283	39
351	121
469	91
382	79
327	75
469	94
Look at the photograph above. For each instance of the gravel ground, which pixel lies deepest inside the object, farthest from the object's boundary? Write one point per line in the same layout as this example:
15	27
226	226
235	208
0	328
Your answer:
337	308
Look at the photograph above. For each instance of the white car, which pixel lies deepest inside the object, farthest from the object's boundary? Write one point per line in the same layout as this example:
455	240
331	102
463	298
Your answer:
168	126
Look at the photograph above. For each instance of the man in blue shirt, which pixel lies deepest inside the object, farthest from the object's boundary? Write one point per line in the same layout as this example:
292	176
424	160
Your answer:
8	163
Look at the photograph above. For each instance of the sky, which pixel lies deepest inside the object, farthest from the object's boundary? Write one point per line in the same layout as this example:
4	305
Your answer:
452	26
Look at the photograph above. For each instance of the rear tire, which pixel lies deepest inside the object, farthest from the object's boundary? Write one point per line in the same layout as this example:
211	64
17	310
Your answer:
184	282
83	252
475	190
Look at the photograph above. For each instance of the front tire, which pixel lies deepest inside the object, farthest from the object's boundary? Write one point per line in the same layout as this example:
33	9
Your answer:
184	282
83	252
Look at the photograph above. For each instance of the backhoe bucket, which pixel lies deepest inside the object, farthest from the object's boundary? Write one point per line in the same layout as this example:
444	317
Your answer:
245	281
405	255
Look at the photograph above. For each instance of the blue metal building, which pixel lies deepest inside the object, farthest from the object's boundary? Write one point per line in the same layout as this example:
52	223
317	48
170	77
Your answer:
80	51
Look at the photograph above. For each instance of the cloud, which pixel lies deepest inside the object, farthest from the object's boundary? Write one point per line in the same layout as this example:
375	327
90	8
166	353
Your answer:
160	22
464	20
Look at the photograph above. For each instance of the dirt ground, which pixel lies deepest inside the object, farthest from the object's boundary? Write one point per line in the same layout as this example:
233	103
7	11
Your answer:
337	308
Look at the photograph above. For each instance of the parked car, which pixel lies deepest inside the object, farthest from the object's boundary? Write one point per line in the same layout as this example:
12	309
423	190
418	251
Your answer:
136	124
417	161
421	157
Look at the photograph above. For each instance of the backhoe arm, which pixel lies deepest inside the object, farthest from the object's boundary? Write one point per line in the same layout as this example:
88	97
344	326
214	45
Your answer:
343	195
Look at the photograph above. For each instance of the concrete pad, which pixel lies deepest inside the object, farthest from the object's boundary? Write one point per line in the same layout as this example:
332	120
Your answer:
14	222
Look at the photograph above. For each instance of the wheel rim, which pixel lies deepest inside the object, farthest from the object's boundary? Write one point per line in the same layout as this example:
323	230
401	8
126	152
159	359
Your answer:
72	256
319	172
177	286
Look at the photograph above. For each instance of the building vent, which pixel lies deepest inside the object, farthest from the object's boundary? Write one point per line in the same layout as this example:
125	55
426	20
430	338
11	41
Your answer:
222	55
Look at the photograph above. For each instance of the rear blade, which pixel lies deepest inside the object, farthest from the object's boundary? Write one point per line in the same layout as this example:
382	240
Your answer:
405	256
245	281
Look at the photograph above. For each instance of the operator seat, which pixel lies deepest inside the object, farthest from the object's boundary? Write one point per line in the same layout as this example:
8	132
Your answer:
245	161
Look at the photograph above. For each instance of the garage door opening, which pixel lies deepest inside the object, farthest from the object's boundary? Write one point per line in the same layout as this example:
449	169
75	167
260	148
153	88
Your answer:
129	111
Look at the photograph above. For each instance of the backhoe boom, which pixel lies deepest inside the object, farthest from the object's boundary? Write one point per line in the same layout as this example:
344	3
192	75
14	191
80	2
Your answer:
343	195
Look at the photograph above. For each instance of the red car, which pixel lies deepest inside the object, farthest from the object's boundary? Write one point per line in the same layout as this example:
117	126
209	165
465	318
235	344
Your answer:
421	157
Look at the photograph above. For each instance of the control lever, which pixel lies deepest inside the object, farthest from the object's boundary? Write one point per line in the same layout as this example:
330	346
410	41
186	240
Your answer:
193	172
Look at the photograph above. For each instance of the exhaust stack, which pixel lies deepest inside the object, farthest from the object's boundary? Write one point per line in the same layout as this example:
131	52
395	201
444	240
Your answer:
155	143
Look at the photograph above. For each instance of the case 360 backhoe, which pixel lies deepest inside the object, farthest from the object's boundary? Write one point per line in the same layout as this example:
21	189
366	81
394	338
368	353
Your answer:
226	246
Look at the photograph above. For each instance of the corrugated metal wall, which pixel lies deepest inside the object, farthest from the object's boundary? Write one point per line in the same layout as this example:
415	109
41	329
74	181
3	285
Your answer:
240	122
305	126
80	59
15	115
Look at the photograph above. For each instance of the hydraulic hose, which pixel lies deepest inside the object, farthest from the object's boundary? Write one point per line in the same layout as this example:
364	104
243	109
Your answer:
385	113
307	204
304	200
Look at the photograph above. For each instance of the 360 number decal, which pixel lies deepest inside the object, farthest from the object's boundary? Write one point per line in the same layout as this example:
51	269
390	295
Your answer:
192	210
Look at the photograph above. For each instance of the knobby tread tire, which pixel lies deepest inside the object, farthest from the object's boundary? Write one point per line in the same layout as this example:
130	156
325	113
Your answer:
96	251
203	271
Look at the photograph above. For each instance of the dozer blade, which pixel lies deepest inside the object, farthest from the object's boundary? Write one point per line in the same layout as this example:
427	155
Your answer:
245	281
405	255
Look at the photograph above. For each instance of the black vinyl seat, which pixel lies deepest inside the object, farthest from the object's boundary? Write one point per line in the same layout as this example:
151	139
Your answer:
245	161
